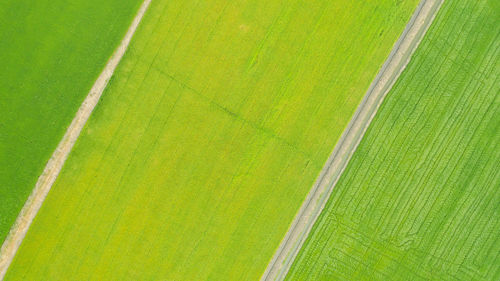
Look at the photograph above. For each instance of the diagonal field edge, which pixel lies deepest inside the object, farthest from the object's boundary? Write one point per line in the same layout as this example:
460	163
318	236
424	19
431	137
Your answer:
318	196
56	162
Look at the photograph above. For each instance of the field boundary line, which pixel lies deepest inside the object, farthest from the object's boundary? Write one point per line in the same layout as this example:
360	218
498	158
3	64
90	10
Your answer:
56	162
315	201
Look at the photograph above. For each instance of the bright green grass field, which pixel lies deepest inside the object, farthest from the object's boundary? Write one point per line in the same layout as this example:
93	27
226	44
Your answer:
420	199
213	130
51	52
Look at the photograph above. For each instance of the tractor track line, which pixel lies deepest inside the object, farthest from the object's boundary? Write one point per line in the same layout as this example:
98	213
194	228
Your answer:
56	162
316	200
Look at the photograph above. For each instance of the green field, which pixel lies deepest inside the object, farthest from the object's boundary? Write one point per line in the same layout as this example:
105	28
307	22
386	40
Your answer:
420	198
51	52
211	133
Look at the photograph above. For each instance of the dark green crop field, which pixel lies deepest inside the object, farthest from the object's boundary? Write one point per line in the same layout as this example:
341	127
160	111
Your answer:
51	52
420	199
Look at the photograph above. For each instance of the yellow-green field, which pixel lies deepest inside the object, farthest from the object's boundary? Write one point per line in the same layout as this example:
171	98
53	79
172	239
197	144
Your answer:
211	133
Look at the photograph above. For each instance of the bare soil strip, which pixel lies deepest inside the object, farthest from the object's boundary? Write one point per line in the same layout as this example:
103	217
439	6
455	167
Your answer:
56	162
349	141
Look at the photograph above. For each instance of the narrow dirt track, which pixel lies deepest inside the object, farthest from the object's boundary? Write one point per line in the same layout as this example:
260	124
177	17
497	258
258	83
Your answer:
56	162
349	141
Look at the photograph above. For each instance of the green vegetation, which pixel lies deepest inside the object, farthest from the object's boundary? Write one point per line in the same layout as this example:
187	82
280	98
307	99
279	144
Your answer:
420	198
211	133
51	52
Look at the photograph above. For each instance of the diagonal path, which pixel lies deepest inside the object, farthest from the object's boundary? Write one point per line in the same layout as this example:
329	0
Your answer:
349	141
56	162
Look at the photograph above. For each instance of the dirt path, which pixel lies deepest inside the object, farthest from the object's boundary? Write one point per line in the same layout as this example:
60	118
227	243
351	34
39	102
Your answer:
54	165
349	141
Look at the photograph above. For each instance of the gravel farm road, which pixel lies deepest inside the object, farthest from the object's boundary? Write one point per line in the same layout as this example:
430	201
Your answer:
318	196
